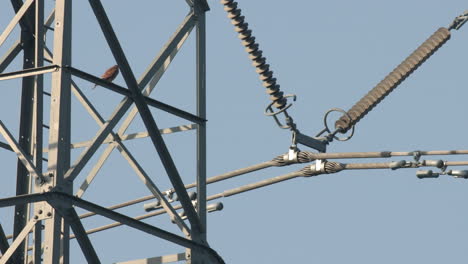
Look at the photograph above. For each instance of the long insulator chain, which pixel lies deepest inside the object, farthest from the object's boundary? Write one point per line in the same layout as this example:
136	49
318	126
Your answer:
387	85
255	54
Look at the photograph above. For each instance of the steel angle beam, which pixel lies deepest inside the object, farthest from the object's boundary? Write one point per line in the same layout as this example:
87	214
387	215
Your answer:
5	146
189	3
196	256
169	130
157	260
4	245
10	55
175	111
26	23
28	72
22	156
150	101
57	230
96	80
153	188
80	233
203	4
145	113
37	240
173	44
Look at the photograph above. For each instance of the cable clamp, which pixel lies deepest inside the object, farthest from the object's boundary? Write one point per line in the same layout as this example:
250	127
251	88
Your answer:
319	165
459	21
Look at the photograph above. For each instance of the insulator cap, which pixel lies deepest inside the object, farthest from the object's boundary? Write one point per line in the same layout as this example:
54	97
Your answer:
234	13
276	96
245	34
230	7
269	82
262	68
266	75
258	62
251	48
272	89
241	27
238	20
255	55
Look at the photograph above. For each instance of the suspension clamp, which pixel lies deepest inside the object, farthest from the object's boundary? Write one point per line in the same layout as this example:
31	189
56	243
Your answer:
291	156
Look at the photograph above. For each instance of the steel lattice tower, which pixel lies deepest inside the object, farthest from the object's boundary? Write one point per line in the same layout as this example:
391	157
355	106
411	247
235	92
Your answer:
47	197
45	202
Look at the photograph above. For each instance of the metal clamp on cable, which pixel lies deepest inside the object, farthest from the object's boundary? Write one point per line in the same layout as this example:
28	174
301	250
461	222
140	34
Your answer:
291	156
397	164
459	21
423	174
433	163
458	173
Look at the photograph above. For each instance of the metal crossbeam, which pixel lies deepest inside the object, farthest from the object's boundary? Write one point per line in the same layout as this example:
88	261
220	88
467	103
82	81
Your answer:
28	72
150	101
139	135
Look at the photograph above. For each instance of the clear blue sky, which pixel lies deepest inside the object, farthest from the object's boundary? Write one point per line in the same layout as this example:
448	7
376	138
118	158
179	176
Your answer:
329	54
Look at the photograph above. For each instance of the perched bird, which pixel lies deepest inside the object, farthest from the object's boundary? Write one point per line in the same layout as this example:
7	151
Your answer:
110	74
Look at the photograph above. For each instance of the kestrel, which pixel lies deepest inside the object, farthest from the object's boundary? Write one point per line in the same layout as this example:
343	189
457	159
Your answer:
110	74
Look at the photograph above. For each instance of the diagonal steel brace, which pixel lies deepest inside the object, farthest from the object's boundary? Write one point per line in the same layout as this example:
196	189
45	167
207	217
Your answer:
145	113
